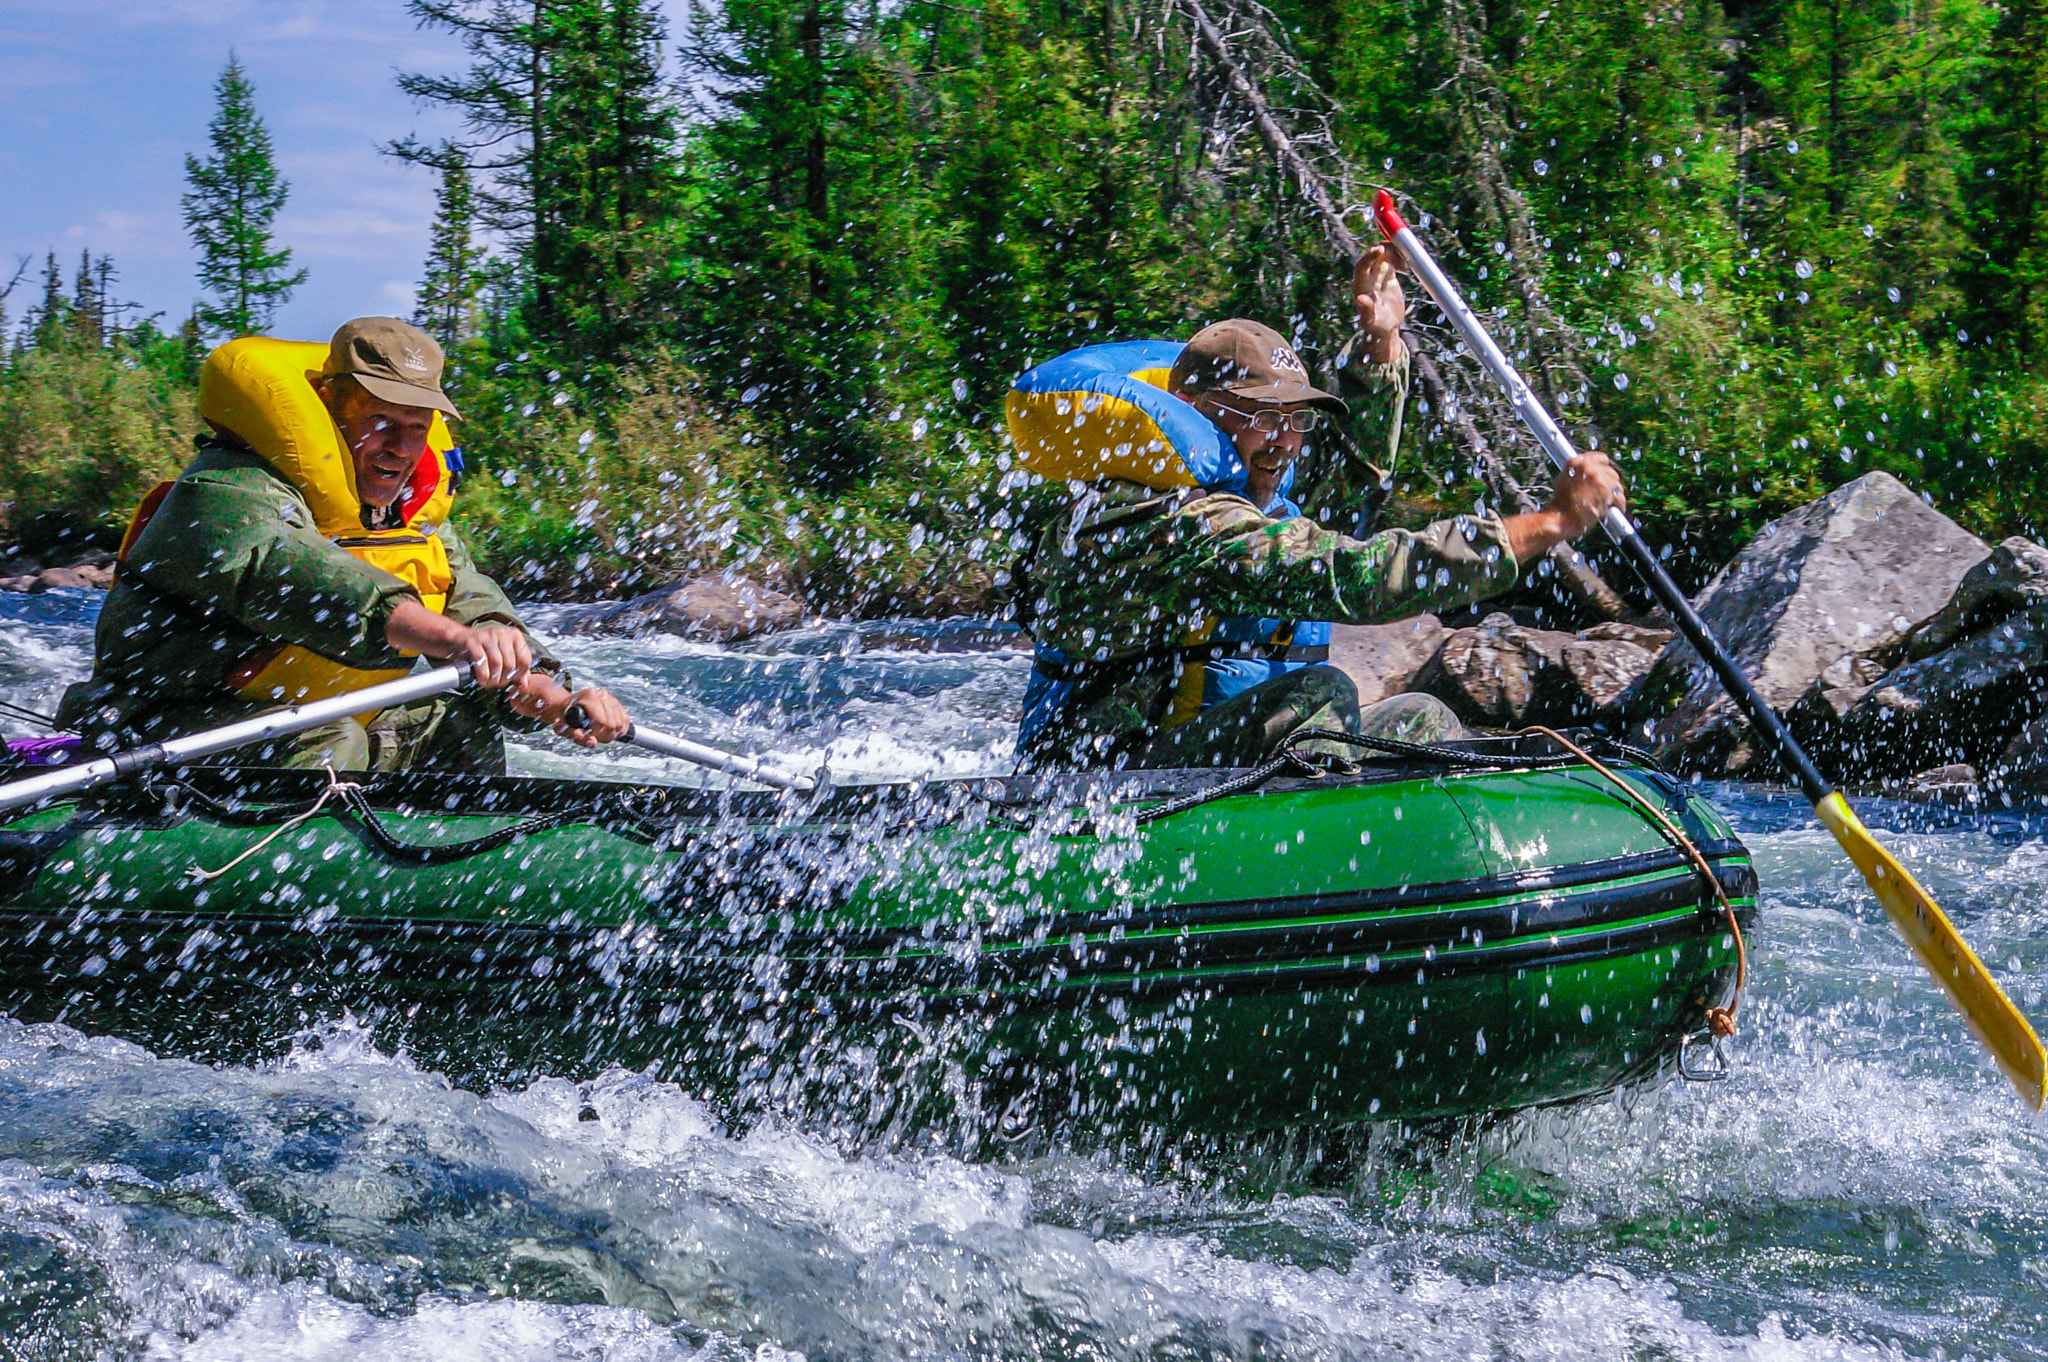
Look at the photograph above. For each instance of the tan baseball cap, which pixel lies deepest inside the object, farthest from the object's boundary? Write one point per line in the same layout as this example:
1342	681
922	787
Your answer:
393	360
1249	360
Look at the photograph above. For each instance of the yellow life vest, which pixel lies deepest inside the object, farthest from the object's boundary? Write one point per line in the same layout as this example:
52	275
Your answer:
261	391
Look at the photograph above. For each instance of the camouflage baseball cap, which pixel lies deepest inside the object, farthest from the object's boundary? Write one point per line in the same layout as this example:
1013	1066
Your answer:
1249	360
393	360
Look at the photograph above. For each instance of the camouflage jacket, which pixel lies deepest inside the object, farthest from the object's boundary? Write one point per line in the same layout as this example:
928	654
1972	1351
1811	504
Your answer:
221	573
1124	581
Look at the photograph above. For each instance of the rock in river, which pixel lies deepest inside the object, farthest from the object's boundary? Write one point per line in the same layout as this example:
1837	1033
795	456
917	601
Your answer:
1818	603
1960	705
1382	659
1489	674
704	607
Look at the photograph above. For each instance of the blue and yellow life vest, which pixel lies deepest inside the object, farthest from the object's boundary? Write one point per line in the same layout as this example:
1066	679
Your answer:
260	391
1101	412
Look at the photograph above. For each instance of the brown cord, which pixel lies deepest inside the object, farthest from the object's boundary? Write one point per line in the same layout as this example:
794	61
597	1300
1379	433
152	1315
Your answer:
1720	1020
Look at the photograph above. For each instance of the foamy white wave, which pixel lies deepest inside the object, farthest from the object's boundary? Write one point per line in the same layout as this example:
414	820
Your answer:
296	1323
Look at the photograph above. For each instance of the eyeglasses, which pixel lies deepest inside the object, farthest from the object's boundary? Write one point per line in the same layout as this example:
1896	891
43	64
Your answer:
1267	421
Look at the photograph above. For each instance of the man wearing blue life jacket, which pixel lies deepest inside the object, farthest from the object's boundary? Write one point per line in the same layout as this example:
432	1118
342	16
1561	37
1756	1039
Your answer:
1141	603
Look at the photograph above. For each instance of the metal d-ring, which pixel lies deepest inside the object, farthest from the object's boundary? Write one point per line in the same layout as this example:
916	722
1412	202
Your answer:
1720	1069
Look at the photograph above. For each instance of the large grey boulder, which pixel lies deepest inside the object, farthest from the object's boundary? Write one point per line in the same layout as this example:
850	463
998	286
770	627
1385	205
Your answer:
1818	602
1960	705
709	608
1382	659
1491	673
2013	577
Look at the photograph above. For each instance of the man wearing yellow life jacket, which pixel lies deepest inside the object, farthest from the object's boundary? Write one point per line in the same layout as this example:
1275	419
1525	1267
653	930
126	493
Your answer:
306	552
1176	460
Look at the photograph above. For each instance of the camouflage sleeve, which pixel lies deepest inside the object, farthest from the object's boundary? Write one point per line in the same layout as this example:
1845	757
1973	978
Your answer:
1352	467
1148	575
1242	563
247	549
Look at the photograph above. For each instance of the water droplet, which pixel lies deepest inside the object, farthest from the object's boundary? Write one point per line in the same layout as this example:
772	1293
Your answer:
1792	147
1621	382
1657	160
960	390
1804	269
1892	293
1614	257
1543	167
752	394
1586	1013
1962	336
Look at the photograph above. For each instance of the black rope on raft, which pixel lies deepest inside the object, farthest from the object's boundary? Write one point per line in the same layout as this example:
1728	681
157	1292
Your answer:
1297	760
356	809
24	713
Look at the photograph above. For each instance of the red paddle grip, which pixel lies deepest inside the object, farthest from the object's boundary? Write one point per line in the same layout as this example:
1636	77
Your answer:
1387	216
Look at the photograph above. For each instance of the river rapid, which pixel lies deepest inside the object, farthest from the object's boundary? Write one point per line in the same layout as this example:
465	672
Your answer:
1865	1185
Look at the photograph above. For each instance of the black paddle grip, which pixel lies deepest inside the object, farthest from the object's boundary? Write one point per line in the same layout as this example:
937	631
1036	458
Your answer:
576	716
1760	715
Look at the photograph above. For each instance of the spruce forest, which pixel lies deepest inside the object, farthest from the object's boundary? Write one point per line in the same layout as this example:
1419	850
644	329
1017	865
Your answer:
749	294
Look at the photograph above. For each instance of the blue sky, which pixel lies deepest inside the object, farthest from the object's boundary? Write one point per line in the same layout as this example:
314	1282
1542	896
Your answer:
100	100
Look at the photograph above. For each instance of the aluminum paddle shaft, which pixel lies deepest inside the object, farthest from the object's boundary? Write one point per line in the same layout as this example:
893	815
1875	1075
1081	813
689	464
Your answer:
1990	1014
716	759
275	724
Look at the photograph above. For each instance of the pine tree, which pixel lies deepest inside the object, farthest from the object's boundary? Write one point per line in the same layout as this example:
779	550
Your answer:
51	324
570	125
448	306
234	197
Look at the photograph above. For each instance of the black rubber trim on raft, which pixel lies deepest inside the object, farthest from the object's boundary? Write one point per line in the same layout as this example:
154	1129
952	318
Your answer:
420	960
1731	859
1365	947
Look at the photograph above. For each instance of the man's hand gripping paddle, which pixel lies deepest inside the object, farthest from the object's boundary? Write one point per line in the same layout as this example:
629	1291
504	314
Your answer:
1991	1015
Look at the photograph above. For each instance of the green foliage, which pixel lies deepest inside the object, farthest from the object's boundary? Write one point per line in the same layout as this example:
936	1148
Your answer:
232	198
84	432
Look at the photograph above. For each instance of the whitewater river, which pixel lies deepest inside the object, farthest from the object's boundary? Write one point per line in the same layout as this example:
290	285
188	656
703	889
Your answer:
1864	1186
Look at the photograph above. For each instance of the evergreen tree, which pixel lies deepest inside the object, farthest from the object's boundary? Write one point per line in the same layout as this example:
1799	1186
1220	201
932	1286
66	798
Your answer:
50	323
234	196
448	306
568	118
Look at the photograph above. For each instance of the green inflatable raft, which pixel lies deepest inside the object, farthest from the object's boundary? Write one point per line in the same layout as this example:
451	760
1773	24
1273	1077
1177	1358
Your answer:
1444	933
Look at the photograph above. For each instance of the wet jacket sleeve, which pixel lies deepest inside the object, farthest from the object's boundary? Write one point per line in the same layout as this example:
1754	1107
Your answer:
247	550
1154	574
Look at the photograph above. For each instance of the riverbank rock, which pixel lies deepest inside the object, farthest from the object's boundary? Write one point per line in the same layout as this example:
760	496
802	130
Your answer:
1594	682
1820	602
2013	577
84	576
710	608
1382	659
1490	674
1960	705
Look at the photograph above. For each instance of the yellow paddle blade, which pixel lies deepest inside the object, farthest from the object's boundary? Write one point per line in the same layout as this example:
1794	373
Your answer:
1998	1024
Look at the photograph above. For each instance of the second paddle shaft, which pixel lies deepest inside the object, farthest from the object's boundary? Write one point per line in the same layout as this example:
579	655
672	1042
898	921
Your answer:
716	759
